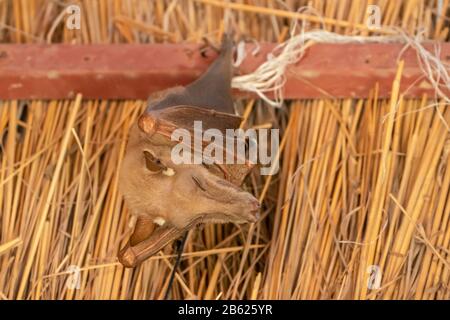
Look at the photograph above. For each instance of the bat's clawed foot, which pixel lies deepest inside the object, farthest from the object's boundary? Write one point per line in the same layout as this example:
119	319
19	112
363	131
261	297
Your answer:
208	44
226	44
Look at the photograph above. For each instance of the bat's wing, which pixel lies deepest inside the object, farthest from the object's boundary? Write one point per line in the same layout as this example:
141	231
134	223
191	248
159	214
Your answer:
211	91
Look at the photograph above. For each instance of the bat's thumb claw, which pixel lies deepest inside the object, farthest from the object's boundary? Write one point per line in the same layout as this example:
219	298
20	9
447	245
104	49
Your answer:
127	257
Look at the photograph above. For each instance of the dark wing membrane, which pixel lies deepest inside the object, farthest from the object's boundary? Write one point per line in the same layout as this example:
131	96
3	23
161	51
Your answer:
211	91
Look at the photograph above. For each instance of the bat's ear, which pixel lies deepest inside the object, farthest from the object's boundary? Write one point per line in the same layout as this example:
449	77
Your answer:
211	91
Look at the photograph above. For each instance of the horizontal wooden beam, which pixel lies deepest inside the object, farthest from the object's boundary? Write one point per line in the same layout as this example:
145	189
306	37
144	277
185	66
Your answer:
134	71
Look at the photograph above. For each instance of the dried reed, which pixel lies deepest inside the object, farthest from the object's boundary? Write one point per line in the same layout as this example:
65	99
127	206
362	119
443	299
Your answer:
362	184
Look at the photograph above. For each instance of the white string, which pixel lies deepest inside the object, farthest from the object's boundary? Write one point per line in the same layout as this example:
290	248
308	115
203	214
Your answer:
270	77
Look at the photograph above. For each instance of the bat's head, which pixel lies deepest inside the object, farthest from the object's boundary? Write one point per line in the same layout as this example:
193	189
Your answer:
178	194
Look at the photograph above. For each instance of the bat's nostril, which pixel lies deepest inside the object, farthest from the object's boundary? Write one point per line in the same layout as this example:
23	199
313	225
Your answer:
254	215
256	204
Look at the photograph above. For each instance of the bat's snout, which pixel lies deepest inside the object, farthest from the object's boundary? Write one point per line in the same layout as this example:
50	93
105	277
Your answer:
251	211
255	209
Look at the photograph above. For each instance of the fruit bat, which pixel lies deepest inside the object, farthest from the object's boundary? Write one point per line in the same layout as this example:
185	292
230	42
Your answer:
177	197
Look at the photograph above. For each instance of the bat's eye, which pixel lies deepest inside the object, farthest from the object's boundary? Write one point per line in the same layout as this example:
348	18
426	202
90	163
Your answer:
153	164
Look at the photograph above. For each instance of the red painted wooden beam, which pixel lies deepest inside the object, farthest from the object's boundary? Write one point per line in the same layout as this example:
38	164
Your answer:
135	71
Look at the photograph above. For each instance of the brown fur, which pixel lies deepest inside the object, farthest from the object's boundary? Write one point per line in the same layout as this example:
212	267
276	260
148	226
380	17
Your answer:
179	199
